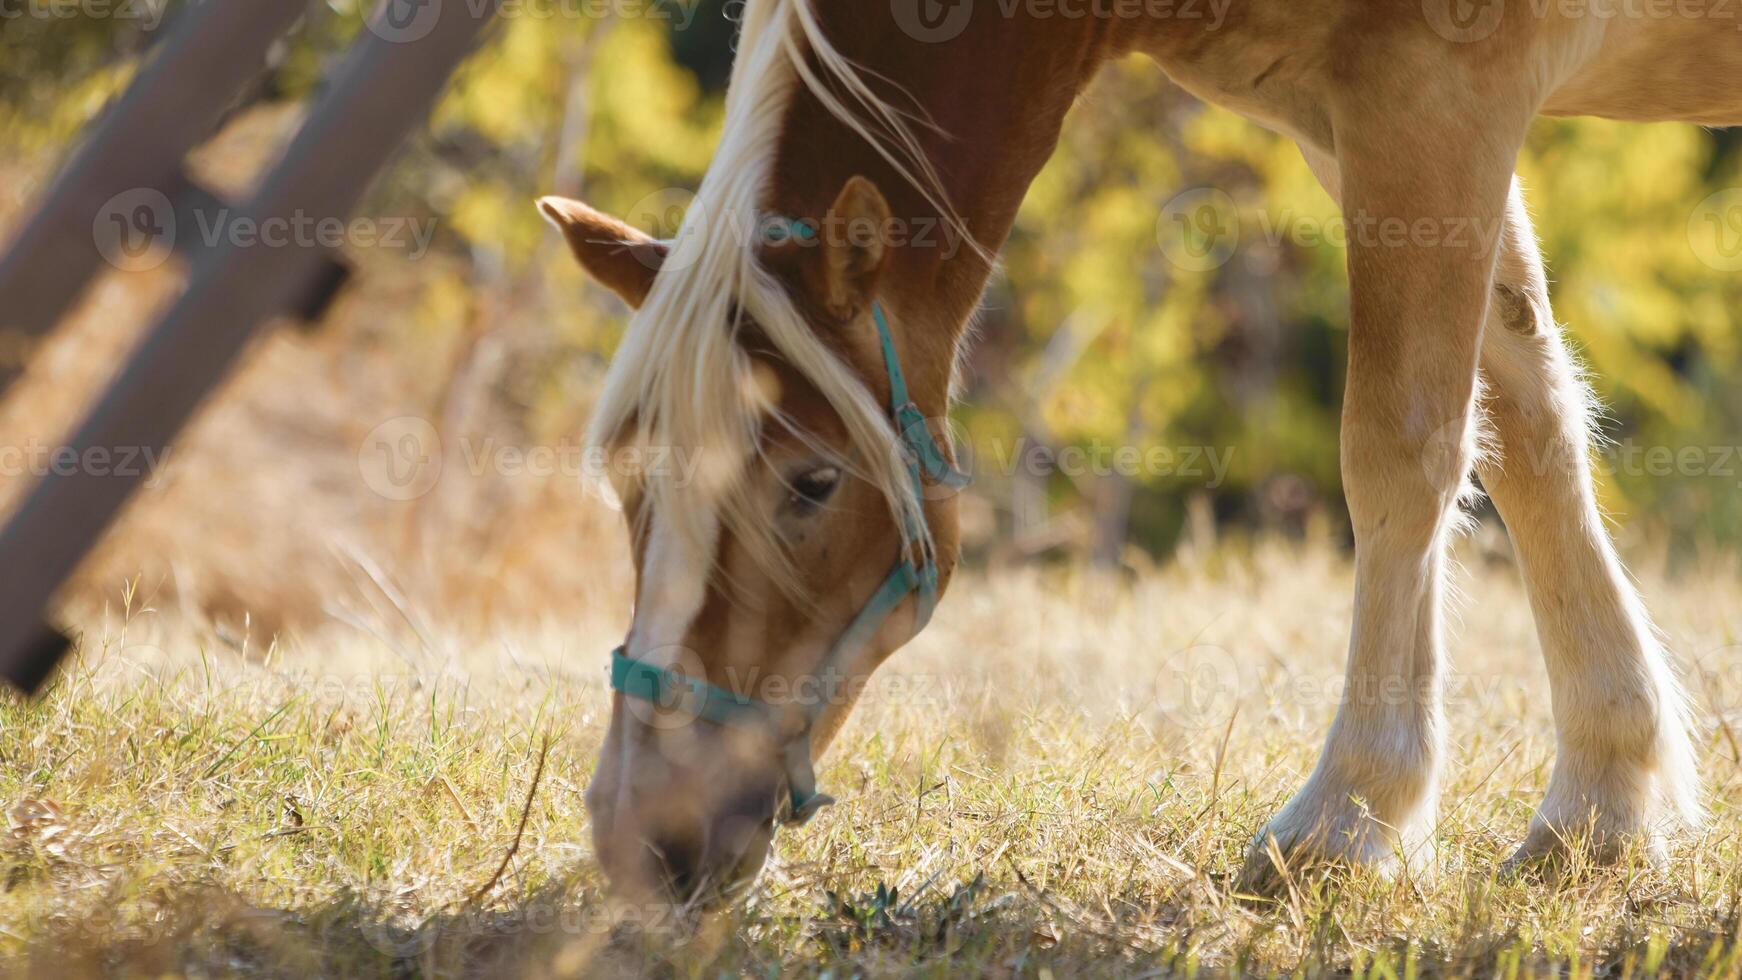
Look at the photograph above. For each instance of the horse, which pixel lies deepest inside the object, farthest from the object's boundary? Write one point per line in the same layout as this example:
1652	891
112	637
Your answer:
801	338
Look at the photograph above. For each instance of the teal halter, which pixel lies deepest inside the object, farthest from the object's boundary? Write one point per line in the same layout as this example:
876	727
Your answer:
925	463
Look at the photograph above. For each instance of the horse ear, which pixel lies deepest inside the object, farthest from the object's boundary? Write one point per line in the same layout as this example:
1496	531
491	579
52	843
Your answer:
623	259
854	249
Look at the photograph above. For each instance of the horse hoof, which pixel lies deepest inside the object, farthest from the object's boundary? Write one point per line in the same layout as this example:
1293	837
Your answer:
1547	853
1271	870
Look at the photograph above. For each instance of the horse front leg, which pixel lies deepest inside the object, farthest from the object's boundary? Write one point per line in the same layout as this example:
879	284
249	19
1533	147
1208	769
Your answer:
1423	186
1624	769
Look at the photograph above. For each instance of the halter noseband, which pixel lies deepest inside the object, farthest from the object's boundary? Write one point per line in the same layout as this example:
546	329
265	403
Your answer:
925	463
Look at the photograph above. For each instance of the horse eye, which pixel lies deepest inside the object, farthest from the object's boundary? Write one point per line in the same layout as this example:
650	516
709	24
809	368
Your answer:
812	488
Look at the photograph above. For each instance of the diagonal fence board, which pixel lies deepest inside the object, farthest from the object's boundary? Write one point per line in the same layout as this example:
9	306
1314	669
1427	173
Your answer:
388	82
175	102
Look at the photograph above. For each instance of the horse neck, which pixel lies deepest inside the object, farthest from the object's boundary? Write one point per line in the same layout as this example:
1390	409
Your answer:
997	94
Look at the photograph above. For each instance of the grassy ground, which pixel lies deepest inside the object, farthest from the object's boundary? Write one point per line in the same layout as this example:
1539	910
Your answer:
1058	779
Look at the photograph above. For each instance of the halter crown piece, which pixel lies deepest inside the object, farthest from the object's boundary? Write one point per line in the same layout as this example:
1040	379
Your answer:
926	462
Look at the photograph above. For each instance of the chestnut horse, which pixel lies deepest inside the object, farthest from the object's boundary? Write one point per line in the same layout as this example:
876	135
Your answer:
799	329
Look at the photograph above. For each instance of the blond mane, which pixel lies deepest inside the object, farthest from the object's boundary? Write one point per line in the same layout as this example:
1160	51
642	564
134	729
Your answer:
680	379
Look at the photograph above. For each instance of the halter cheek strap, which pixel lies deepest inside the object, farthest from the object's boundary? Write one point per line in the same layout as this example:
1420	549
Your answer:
926	463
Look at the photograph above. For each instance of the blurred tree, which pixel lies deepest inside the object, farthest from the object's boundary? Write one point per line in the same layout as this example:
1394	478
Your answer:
1174	283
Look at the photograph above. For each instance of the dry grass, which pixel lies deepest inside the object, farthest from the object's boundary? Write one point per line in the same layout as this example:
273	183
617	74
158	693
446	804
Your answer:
1059	777
1027	790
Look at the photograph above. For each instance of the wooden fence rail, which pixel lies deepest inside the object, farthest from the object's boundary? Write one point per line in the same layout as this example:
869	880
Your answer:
384	88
